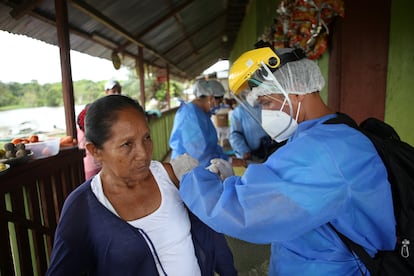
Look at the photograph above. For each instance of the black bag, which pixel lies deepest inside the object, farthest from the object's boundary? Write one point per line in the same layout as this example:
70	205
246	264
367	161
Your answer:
398	158
267	147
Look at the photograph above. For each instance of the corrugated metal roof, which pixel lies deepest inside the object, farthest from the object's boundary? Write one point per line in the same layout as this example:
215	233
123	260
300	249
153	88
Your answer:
188	35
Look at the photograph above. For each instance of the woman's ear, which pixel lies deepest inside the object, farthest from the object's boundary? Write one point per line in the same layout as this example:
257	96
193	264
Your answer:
93	150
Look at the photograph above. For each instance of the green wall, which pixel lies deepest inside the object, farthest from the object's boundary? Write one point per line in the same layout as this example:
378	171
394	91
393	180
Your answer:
323	63
259	15
247	35
399	109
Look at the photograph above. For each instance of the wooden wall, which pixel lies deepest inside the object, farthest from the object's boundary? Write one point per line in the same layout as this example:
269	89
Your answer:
359	59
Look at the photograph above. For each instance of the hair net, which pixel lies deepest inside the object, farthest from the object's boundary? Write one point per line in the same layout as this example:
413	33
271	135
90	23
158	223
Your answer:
296	77
218	88
203	88
300	77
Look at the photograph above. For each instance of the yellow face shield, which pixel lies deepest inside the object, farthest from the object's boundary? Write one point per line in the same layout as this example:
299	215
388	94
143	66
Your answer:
247	64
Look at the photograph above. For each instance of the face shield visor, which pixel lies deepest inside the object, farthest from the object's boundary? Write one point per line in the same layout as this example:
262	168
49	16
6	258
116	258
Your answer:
277	119
277	115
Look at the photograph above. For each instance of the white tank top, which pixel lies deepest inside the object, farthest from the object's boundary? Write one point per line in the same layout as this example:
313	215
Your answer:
168	227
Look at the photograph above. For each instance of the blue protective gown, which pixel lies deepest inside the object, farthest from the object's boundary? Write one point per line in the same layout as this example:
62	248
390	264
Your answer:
194	133
325	173
245	132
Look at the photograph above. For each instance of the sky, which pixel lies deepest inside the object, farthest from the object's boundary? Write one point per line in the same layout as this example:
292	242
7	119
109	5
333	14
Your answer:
23	59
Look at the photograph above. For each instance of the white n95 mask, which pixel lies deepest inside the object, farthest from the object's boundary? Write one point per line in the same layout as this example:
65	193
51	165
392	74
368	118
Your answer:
279	125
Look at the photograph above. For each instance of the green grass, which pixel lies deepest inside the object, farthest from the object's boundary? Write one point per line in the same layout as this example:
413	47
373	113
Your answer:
11	107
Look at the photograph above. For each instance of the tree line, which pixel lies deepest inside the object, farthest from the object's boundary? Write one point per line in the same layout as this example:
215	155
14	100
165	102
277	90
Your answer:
25	95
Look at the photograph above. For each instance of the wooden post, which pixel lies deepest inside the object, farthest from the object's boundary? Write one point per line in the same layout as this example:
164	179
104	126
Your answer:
358	60
168	88
61	11
141	76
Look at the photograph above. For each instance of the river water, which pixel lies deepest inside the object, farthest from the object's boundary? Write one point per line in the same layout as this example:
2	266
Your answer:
18	122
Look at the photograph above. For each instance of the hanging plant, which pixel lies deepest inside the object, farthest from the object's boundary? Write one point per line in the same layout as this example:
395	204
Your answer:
304	24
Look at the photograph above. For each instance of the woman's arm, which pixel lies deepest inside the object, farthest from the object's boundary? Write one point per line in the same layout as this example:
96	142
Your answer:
171	174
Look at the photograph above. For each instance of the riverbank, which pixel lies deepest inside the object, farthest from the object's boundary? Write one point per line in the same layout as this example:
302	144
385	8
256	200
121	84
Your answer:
46	121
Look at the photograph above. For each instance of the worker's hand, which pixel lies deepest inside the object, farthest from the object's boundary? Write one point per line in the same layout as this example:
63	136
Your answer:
183	164
221	167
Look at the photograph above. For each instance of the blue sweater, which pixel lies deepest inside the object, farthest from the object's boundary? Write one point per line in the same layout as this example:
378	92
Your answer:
90	239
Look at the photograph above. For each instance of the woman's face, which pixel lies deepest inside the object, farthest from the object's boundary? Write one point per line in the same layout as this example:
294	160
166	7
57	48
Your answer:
128	152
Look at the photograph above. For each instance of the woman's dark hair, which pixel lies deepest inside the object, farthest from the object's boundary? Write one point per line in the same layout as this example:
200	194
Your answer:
103	113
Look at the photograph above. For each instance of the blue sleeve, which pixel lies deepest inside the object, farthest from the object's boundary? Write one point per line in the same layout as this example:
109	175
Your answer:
275	201
310	181
70	254
237	139
65	261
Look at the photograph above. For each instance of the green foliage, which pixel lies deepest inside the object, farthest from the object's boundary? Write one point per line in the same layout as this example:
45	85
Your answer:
87	91
30	94
33	94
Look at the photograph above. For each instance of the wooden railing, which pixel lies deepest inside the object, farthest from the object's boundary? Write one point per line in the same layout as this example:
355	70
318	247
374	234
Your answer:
160	133
31	198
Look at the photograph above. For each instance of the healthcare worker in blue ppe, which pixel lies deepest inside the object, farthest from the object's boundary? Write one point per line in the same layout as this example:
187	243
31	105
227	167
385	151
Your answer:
218	96
247	137
325	173
193	131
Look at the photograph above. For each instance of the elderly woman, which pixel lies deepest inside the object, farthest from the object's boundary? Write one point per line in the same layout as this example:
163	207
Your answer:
129	218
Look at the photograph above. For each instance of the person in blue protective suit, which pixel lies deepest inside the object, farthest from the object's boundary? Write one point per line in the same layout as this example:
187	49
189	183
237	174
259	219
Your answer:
325	173
218	96
129	219
247	137
193	131
220	112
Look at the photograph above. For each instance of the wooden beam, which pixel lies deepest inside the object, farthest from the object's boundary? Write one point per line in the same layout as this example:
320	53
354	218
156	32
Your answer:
168	88
203	25
47	18
61	11
98	16
155	24
204	45
141	76
19	11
